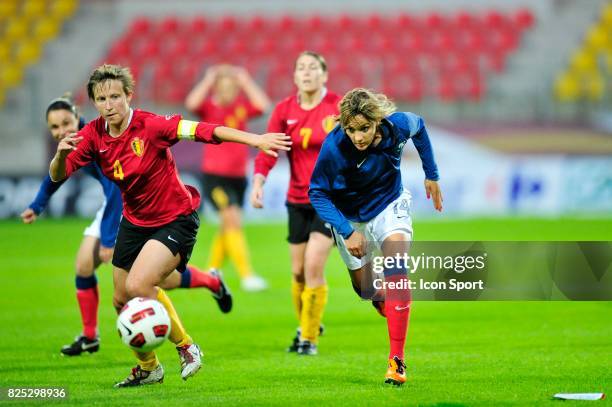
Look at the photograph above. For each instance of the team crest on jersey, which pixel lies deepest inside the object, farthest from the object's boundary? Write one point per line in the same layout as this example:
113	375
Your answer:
328	123
137	146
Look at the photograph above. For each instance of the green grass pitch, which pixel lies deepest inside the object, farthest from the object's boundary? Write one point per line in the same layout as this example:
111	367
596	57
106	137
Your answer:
458	353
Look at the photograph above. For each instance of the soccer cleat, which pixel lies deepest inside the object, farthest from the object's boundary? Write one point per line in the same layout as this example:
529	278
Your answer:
307	348
139	377
191	360
223	296
81	344
396	372
380	307
253	284
296	339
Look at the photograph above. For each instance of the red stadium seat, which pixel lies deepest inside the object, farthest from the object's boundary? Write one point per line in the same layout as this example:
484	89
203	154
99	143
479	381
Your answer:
176	49
228	24
454	48
149	49
464	20
197	26
169	26
446	90
406	87
434	21
257	24
140	26
523	18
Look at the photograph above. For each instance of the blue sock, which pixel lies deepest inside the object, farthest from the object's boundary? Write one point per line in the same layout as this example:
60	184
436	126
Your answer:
83	283
186	278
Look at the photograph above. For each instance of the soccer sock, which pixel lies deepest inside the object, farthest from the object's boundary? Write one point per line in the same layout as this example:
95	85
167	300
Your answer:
313	300
88	298
296	294
193	277
147	360
178	335
217	252
236	247
397	310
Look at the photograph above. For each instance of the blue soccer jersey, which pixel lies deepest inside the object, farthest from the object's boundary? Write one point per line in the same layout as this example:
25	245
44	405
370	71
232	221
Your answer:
112	211
352	185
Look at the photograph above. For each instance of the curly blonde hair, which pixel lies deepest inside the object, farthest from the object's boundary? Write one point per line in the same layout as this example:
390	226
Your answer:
359	101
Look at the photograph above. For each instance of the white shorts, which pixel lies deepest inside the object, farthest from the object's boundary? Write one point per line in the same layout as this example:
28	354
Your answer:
395	218
95	227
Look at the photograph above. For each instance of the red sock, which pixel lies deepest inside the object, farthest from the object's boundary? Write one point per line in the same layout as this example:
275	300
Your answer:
397	310
194	277
88	303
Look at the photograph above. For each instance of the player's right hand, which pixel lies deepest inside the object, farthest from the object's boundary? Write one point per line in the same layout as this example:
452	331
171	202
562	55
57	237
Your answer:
356	244
28	216
270	142
68	144
257	196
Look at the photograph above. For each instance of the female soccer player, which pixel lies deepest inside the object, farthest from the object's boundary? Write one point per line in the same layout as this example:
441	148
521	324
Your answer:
307	117
357	188
160	222
224	165
99	238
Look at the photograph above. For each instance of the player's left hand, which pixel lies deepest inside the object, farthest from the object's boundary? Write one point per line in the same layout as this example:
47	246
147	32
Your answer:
432	189
105	253
270	142
356	244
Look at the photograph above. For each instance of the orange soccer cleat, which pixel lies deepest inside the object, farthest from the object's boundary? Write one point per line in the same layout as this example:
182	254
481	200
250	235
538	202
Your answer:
396	372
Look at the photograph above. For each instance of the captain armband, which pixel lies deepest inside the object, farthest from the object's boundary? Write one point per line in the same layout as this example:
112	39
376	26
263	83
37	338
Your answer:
186	129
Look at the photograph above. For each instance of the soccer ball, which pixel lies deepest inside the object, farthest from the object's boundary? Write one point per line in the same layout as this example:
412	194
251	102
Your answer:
143	324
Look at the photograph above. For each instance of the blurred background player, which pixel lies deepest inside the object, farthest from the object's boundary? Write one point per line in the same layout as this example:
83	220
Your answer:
229	96
98	242
160	222
357	187
307	117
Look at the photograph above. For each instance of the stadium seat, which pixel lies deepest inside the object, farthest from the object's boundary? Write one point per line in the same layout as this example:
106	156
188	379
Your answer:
10	75
463	43
27	52
197	26
16	29
168	27
45	29
523	19
8	9
33	9
63	9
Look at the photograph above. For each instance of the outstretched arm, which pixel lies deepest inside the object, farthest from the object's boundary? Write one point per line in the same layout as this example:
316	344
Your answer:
268	143
46	190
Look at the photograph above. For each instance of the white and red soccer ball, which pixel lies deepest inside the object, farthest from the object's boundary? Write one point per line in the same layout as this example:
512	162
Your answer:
143	324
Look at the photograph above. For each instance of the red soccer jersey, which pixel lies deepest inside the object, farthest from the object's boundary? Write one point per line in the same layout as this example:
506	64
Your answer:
307	129
228	159
139	161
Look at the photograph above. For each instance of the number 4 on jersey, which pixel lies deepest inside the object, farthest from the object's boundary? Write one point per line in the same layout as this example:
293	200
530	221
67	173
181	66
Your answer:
117	170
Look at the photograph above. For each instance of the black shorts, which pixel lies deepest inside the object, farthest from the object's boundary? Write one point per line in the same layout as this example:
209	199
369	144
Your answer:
222	192
303	220
179	236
